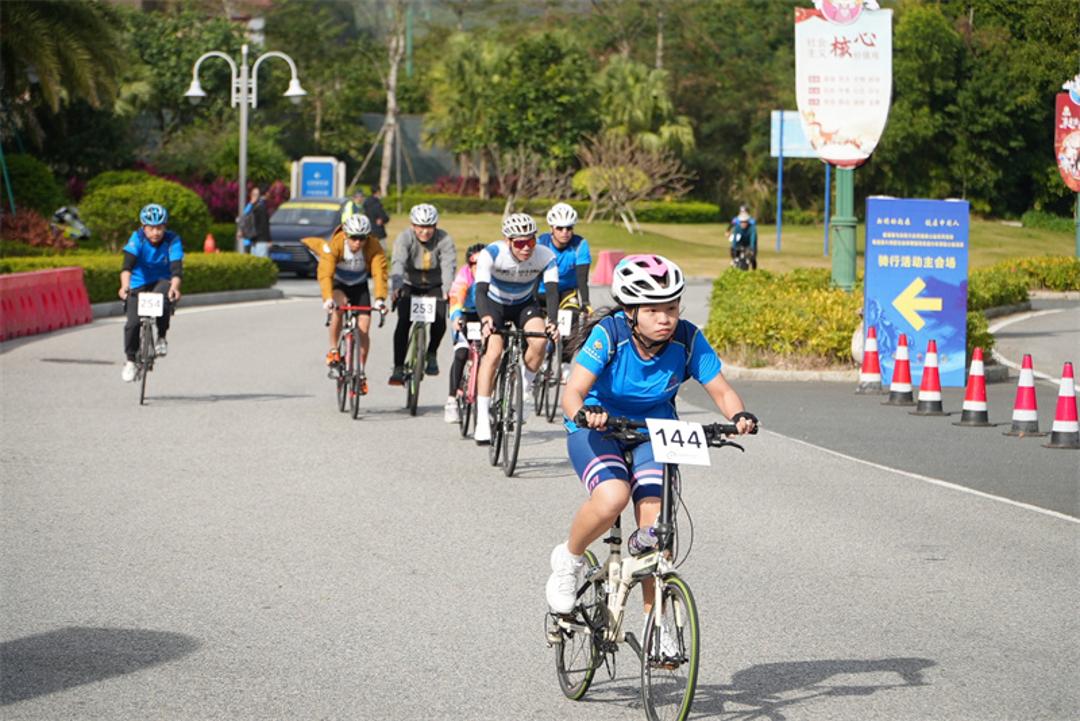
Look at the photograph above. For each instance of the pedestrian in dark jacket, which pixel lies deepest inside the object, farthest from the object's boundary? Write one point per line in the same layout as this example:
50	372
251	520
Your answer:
373	209
256	222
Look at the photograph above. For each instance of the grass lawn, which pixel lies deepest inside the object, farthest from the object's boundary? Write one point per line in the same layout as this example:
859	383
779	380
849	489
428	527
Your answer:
701	249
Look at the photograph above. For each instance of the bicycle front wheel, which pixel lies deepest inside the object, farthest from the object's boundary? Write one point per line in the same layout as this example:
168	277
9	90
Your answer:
512	412
539	385
342	378
669	657
355	375
415	375
498	395
551	390
145	360
577	654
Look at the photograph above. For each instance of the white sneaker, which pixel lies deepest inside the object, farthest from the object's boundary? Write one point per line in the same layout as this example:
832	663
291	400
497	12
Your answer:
161	348
527	402
669	638
482	434
565	578
565	374
128	372
450	411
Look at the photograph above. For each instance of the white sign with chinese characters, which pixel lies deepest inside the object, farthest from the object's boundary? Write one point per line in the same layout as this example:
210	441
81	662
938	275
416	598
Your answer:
843	82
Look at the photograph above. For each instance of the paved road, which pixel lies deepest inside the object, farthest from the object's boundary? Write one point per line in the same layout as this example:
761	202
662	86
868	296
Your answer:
1050	334
237	549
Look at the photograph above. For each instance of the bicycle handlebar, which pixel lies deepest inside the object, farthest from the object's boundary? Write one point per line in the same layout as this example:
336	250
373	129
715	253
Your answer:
361	308
626	429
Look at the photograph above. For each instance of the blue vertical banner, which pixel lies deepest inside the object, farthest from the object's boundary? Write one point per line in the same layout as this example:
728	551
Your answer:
916	281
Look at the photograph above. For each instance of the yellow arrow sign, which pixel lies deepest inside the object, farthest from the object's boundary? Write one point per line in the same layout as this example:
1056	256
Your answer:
909	304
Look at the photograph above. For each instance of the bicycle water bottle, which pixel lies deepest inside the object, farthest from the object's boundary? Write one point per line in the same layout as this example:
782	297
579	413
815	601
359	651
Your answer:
641	541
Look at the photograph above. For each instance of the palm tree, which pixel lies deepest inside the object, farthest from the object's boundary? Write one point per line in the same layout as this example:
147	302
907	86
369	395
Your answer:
54	50
634	101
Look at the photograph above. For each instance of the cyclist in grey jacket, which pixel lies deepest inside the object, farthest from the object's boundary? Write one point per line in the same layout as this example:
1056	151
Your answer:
423	263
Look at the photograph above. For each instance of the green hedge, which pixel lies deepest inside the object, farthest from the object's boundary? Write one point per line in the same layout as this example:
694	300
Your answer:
650	211
112	178
995	286
1047	221
32	184
202	273
112	212
1047	272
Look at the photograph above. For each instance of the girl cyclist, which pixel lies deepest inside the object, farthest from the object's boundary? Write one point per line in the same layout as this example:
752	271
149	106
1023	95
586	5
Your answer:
462	311
153	263
632	362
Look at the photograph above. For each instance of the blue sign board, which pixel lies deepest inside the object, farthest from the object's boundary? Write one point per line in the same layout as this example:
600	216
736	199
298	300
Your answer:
317	179
916	282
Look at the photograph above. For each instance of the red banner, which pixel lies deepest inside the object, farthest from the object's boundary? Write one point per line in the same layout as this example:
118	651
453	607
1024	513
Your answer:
1067	140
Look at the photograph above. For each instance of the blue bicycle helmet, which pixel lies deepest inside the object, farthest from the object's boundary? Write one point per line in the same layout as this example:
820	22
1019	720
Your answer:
153	214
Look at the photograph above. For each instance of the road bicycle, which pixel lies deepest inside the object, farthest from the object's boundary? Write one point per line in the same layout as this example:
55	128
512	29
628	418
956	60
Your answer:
548	378
348	372
589	636
151	307
507	399
422	309
465	394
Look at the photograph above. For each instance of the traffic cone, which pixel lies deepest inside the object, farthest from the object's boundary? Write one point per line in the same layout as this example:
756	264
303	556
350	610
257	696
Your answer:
870	375
209	245
930	387
1066	430
900	388
975	413
1025	417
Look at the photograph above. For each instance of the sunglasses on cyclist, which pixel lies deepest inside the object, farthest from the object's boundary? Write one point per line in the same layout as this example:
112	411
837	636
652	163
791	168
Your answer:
359	237
523	243
564	227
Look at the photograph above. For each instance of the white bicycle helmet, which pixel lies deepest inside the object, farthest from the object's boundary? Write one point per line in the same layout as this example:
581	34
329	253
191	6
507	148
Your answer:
646	279
518	225
357	226
562	215
424	214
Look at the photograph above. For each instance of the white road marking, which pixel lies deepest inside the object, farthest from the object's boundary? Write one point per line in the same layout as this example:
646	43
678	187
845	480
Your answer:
1006	362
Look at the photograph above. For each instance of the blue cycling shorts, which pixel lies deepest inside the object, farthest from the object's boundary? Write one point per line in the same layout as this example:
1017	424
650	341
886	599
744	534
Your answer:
597	459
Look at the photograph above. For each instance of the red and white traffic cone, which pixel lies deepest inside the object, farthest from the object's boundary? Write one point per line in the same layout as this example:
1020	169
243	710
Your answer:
975	410
930	387
1025	417
900	388
870	375
1066	430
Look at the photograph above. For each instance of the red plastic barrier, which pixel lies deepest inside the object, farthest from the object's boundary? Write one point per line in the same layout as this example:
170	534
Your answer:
42	301
605	263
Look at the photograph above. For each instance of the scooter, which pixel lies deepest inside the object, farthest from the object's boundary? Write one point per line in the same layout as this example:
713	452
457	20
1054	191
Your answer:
66	220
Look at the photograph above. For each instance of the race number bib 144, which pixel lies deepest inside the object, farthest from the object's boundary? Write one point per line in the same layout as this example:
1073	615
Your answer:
678	442
152	304
422	308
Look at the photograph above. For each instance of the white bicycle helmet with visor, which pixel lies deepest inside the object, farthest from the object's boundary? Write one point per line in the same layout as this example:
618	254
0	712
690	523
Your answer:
518	225
357	226
647	279
424	214
562	215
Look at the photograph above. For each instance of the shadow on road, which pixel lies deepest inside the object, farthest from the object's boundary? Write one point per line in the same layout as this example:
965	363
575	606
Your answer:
766	691
218	397
81	361
49	662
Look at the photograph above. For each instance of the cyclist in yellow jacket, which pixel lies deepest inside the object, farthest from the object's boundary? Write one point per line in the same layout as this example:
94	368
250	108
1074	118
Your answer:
346	261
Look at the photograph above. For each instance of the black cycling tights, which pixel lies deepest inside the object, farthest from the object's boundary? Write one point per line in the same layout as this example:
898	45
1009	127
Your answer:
401	331
460	356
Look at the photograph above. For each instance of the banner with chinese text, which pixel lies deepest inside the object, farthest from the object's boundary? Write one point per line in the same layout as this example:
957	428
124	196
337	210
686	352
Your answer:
843	80
1067	140
916	281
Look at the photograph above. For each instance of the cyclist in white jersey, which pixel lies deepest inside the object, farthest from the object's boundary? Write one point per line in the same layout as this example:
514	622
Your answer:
506	274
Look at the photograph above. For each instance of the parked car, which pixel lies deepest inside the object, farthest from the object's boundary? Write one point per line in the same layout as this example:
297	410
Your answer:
301	218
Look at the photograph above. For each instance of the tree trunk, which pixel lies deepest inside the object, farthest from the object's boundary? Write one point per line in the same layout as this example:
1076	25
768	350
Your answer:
318	118
485	174
396	50
659	37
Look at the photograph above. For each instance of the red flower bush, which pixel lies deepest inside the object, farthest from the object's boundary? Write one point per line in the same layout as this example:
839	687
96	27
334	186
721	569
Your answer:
27	226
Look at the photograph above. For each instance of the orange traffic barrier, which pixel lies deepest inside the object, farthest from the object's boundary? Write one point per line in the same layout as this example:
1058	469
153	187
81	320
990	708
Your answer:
900	388
975	409
1025	417
1066	430
605	264
870	375
930	387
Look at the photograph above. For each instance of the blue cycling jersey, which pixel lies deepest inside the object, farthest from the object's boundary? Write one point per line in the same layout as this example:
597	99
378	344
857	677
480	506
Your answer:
152	262
567	259
635	387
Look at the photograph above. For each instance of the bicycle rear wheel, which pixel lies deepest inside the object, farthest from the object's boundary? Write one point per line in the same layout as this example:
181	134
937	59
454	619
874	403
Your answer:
551	389
512	419
669	656
577	652
498	394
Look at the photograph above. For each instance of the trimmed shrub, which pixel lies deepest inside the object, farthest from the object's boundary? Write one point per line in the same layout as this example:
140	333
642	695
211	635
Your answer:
224	236
112	212
32	184
112	178
1047	221
995	286
1047	272
202	273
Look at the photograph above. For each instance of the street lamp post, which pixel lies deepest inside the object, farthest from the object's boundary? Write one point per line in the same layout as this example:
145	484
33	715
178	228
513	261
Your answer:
245	93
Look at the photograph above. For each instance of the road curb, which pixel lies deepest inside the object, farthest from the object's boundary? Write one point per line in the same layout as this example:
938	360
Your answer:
115	308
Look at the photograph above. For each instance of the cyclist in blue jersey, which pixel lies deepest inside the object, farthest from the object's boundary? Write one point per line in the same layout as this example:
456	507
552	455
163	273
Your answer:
153	262
571	253
631	363
506	273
